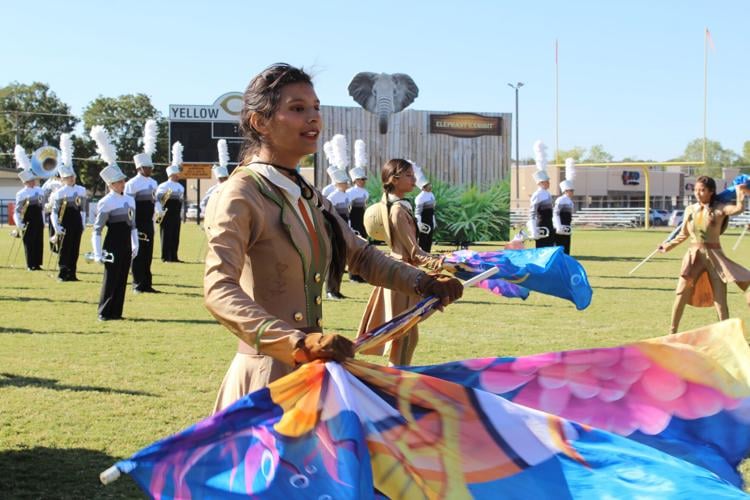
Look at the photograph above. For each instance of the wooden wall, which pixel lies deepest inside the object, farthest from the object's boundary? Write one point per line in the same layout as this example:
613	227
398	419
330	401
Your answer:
480	161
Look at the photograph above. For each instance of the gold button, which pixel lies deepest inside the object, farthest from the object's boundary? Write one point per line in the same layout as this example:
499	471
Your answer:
298	316
318	300
317	277
320	323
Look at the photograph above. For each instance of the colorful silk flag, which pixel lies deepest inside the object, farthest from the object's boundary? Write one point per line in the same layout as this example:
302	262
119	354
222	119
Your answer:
472	429
544	270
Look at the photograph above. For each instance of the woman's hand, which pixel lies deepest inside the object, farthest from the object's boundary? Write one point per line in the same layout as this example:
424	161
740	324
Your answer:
446	288
323	346
661	249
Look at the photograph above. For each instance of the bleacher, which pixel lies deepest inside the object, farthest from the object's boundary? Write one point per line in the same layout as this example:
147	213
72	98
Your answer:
740	220
593	217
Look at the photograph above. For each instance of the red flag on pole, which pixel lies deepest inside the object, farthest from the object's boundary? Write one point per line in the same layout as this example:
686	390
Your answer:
709	40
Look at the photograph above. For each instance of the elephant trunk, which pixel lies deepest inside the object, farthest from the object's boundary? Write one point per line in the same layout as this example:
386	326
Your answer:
385	108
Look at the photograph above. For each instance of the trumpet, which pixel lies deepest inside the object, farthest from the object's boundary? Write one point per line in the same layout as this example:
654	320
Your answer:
107	257
143	236
160	216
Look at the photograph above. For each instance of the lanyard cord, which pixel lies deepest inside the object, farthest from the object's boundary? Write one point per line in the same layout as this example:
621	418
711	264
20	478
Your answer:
305	189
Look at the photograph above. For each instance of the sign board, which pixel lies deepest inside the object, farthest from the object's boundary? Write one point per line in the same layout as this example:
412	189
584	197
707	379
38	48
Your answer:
199	128
465	125
196	171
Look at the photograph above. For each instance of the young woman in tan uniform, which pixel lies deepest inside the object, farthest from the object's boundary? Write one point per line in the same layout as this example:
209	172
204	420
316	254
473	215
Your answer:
270	243
705	269
398	180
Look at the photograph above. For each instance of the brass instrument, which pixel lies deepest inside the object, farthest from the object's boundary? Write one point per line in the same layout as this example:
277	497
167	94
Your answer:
44	161
107	257
164	200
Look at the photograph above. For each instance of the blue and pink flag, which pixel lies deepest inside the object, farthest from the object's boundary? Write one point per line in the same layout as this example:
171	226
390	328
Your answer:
662	418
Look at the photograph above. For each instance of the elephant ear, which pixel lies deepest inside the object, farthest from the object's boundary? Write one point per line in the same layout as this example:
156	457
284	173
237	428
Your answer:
360	89
406	91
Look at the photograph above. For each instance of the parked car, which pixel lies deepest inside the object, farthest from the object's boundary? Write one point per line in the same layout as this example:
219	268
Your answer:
676	218
655	219
192	211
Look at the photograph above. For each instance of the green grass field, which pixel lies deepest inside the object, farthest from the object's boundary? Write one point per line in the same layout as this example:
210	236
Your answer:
76	394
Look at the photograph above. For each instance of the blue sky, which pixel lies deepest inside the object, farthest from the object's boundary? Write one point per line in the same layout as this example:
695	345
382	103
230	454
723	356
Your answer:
631	72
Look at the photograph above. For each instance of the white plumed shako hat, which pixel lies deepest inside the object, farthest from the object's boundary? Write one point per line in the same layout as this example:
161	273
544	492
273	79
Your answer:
65	168
111	173
24	164
540	158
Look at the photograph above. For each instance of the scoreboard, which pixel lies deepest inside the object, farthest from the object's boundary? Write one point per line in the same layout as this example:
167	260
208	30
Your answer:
199	128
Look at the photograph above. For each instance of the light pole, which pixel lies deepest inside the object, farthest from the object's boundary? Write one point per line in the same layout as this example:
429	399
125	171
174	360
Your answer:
518	190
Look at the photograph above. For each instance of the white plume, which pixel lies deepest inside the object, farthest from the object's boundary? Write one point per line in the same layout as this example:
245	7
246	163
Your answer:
177	149
104	145
328	150
149	137
22	161
223	152
360	153
540	155
66	150
570	169
340	151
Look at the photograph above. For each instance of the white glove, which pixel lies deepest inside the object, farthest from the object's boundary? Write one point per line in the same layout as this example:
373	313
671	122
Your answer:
564	230
533	231
96	244
424	228
134	245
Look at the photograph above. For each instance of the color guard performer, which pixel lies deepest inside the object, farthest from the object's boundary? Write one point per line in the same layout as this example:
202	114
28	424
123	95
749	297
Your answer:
28	212
270	239
117	212
220	172
562	214
170	195
540	206
68	213
143	189
424	211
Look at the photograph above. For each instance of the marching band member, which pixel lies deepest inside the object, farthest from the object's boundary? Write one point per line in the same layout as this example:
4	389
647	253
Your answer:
340	202
562	214
540	206
116	211
705	269
49	187
358	195
219	171
170	194
424	210
28	212
269	243
143	189
398	177
68	213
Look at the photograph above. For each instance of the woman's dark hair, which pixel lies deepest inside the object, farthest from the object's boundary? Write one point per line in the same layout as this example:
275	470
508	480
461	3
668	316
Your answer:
262	96
710	185
393	168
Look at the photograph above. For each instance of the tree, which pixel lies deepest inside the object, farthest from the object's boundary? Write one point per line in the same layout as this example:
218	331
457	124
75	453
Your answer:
34	115
746	153
716	156
124	118
597	155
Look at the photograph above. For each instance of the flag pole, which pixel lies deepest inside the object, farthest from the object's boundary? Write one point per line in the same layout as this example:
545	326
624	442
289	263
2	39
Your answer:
557	106
705	91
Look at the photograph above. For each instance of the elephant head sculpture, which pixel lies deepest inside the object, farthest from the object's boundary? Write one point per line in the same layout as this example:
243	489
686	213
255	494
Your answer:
383	94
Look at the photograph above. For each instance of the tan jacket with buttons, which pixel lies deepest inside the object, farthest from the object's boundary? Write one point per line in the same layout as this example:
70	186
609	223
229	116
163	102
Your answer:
260	279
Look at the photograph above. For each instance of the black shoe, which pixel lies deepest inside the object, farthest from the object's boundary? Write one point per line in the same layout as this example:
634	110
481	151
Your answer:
73	279
356	279
103	318
335	296
138	291
151	290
